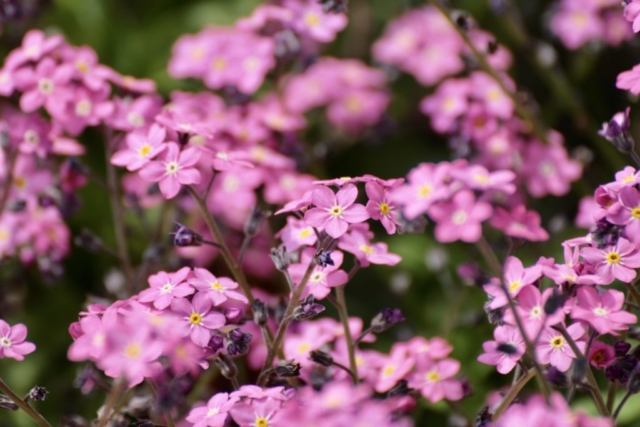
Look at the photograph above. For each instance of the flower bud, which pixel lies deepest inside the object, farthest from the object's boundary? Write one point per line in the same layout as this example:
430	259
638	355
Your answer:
334	6
37	393
260	316
280	258
7	403
226	365
556	377
287	368
622	348
233	314
184	237
386	319
324	259
617	132
554	303
88	241
254	221
216	343
321	357
307	309
400	389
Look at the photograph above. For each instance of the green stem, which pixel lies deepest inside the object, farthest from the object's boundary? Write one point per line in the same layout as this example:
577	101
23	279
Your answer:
537	126
344	318
512	394
116	390
13	156
621	404
116	210
236	271
611	395
591	379
284	324
35	415
633	291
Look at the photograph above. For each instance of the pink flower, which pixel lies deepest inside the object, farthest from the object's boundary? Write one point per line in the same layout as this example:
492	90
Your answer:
379	207
218	288
322	279
603	312
214	414
630	80
554	349
614	262
334	212
548	168
632	14
516	277
460	219
261	412
165	287
393	369
46	85
34	46
519	223
198	318
425	186
447	104
313	22
12	341
577	25
435	379
174	170
357	241
296	234
141	148
601	355
627	212
505	351
531	311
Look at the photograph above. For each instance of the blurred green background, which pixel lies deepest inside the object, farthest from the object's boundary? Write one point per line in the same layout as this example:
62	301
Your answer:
574	95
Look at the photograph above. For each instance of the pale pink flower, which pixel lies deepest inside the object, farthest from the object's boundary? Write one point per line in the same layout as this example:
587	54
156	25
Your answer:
614	262
357	242
461	218
603	312
505	352
630	80
165	287
334	212
632	14
435	379
197	317
322	279
530	309
220	289
12	341
260	413
424	187
214	414
380	207
516	277
174	170
141	148
554	349
392	369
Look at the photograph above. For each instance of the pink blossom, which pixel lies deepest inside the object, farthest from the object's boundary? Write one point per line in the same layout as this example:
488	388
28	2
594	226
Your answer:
256	392
379	207
460	219
548	168
357	242
12	341
601	355
322	279
197	317
34	46
45	86
630	80
141	148
554	349
297	234
576	26
531	310
477	177
334	212
220	289
586	208
614	262
174	170
603	312
519	223
435	379
261	412
214	414
316	24
516	277
627	212
632	14
393	369
505	352
165	287
447	104
424	187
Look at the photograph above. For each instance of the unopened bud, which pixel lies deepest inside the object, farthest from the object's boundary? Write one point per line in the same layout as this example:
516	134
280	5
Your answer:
400	389
37	393
321	357
287	368
616	131
555	302
226	365
386	319
622	348
254	221
556	377
184	237
307	309
88	241
216	343
260	316
280	258
324	259
7	403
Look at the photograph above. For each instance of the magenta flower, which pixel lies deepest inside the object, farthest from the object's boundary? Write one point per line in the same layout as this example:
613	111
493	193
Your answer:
12	341
515	278
548	168
165	287
530	309
460	219
553	348
435	379
174	170
505	351
627	212
34	46
358	243
334	212
260	413
379	207
603	312
141	148
601	355
425	186
44	86
219	289
214	414
322	279
198	318
632	13
614	262
630	80
393	368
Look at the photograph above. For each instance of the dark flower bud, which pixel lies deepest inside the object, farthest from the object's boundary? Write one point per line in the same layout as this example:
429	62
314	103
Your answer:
633	384
17	205
554	303
462	20
621	369
280	258
254	221
605	234
507	349
484	418
320	375
494	316
492	47
237	349
334	6
579	370
400	389
324	259
37	393
621	348
307	309
287	368
216	343
321	357
7	403
88	241
556	377
184	237
617	132
386	319
237	335
260	316
226	365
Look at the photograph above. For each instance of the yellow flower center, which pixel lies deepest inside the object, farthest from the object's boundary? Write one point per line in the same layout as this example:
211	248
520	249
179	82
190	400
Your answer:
635	212
135	119
305	233
513	286
132	350
336	211
304	348
366	249
83	107
388	371
599	311
433	377
144	150
353	104
613	257
4	234
424	190
557	342
459	217
481	178
82	66
219	64
213	411
384	208
216	286
312	19
20	182
45	86
628	179
195	319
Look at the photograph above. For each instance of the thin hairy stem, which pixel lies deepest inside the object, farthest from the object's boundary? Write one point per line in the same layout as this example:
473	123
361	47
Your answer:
35	415
116	391
512	394
341	305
